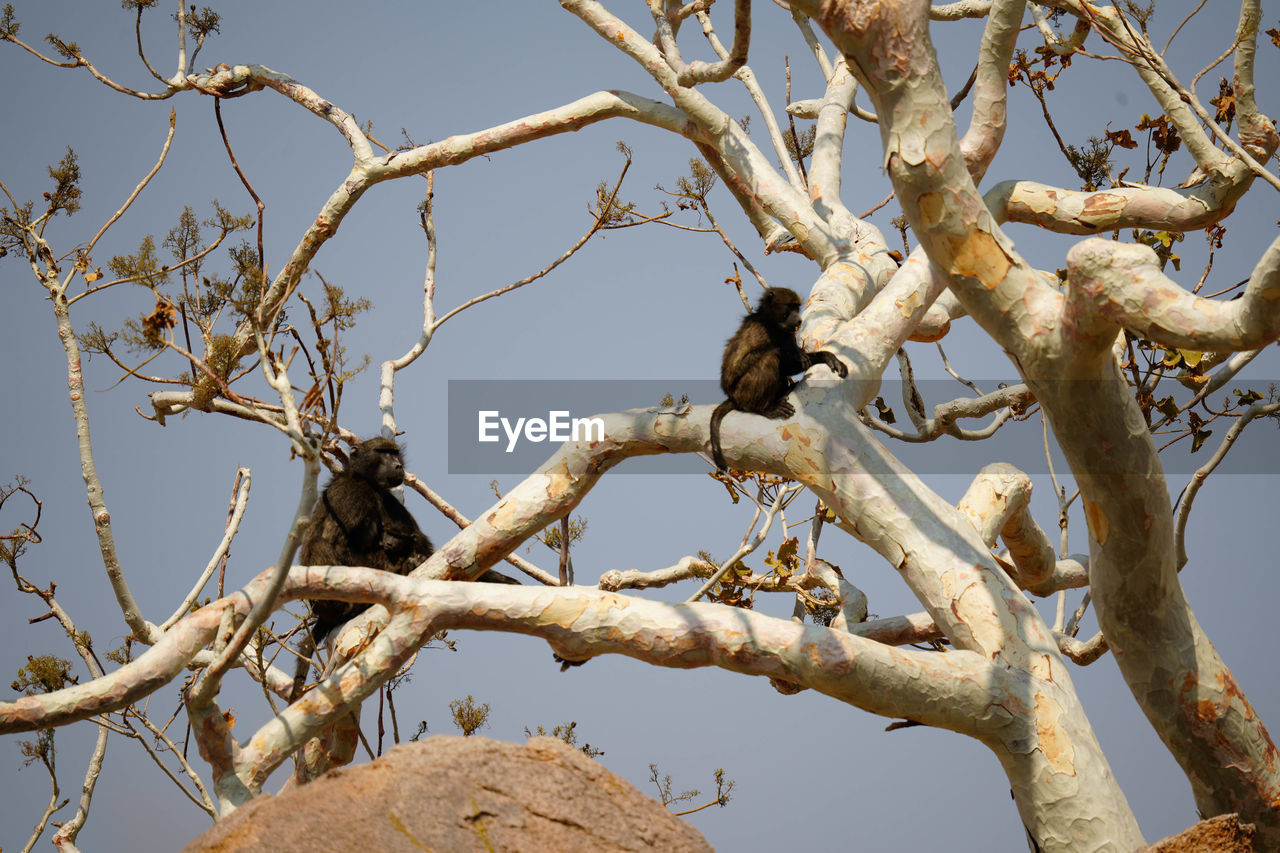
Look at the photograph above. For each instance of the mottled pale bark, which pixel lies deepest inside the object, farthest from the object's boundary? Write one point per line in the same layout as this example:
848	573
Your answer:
1221	179
1004	684
999	505
1062	348
1079	212
723	134
1004	680
991	88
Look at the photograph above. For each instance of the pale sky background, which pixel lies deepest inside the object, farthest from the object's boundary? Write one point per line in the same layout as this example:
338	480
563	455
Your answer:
640	304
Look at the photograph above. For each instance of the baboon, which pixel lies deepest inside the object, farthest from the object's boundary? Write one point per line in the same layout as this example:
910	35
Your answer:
358	521
759	360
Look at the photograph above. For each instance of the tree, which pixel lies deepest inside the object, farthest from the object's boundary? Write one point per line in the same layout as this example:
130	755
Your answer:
1095	348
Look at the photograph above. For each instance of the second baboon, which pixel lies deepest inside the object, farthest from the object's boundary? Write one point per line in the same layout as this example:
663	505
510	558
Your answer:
759	361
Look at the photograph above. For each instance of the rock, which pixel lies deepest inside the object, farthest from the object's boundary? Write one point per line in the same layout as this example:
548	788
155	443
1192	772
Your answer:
1222	834
454	794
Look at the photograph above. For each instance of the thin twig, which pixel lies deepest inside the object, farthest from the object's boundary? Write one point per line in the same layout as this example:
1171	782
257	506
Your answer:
746	547
240	498
1202	473
235	164
164	152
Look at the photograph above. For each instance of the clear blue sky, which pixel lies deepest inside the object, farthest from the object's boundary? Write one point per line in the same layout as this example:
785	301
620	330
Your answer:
643	303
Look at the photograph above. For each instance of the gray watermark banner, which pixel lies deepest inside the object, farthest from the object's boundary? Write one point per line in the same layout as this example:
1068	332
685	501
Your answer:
512	426
509	426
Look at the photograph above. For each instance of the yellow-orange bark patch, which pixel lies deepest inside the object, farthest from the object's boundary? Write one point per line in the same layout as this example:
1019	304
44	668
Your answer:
911	304
1101	209
933	209
1036	200
564	612
979	256
1054	743
1097	520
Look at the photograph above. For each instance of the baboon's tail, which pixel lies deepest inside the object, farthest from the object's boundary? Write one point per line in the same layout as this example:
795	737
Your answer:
716	417
306	649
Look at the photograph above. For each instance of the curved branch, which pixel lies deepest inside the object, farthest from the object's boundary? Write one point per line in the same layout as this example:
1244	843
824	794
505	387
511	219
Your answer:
572	116
231	81
730	61
1259	409
1257	131
998	502
1065	211
1083	653
1114	285
946	416
752	85
991	87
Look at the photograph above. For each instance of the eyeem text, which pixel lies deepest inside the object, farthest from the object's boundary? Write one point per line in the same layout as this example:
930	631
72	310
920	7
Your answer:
558	426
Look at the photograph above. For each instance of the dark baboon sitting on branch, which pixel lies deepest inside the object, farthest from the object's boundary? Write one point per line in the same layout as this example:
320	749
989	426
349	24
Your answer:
358	521
759	361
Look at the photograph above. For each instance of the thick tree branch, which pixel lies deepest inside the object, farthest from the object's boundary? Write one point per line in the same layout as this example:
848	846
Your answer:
1112	285
991	88
1094	417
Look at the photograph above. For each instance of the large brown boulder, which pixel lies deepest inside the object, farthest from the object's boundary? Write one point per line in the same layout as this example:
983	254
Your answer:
1222	834
453	794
